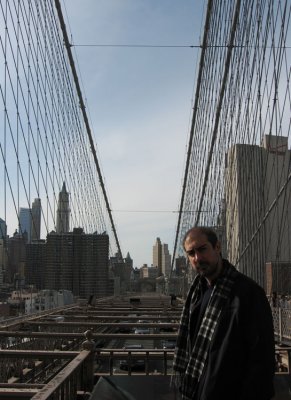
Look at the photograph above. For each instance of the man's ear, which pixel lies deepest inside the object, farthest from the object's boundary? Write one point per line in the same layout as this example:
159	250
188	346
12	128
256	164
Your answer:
218	246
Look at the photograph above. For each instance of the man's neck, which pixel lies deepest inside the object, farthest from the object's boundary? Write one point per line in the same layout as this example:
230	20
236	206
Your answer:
212	279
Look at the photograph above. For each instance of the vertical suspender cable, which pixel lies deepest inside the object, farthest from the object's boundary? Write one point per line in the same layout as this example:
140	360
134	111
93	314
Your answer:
82	106
218	110
201	66
221	96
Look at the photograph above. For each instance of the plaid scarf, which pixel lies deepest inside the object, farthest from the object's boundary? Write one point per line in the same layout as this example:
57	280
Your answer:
189	362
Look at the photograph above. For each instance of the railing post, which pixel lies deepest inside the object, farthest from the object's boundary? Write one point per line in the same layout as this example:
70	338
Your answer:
280	325
165	362
147	363
88	367
111	363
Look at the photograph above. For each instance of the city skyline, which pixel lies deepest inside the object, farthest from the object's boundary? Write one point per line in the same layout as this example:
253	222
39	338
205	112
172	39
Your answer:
26	225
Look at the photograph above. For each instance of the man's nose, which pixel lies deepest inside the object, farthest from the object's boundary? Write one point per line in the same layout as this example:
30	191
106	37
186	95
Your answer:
197	257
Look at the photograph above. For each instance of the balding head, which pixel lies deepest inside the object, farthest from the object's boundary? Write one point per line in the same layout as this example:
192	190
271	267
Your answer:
208	232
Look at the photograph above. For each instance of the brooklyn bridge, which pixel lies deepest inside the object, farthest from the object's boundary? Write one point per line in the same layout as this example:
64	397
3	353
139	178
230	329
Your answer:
76	318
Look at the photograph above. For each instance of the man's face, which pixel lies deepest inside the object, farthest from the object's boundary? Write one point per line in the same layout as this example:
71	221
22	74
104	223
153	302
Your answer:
203	257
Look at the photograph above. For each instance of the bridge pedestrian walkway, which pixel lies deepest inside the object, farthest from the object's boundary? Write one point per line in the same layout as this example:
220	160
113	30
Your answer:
135	388
158	388
45	356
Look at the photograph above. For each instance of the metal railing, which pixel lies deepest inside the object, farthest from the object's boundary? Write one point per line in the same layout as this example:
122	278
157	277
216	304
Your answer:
67	373
76	371
130	356
74	377
282	324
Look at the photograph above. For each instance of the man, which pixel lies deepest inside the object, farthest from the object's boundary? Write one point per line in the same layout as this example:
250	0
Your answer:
225	346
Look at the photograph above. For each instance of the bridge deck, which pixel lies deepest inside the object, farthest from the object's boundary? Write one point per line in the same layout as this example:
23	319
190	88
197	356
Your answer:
44	355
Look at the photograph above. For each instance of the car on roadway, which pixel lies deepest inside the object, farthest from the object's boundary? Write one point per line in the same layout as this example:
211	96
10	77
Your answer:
124	329
142	331
136	364
169	344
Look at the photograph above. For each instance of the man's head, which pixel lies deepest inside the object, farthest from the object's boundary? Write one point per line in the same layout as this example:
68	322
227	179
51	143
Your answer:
204	252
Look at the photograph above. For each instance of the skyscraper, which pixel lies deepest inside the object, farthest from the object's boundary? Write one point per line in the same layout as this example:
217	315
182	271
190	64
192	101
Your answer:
35	263
166	260
25	222
128	269
161	257
157	254
35	219
63	211
254	177
3	229
78	262
3	260
16	259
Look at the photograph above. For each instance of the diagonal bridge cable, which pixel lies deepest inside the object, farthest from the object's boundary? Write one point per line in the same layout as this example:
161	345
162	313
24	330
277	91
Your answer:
88	129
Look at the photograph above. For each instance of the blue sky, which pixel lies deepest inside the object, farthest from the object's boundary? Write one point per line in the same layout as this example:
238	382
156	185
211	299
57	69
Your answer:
139	101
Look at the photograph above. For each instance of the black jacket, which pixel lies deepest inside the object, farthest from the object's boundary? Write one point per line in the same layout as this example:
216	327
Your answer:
241	360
